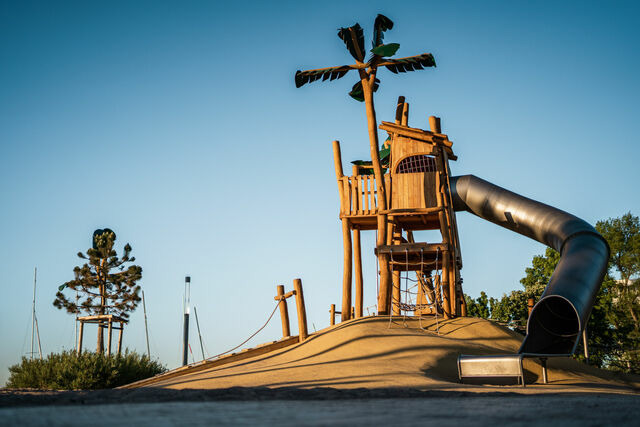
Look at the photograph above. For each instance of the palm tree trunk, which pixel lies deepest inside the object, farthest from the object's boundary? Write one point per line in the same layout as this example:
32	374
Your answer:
368	81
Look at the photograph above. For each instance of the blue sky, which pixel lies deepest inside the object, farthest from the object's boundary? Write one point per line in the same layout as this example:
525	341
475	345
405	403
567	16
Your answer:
177	124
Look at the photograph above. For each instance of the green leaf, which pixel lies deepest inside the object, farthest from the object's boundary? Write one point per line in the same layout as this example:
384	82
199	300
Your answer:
61	287
356	92
386	49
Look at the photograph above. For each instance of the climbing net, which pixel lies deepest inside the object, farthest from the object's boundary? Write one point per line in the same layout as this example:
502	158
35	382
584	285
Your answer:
428	285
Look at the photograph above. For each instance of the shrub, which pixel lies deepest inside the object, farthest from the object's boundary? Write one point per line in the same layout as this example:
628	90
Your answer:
69	371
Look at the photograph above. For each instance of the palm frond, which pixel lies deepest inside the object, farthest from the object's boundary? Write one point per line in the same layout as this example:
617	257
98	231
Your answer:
353	38
331	73
381	24
410	63
358	94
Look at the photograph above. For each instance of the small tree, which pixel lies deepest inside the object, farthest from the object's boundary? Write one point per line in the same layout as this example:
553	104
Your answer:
623	280
103	285
478	307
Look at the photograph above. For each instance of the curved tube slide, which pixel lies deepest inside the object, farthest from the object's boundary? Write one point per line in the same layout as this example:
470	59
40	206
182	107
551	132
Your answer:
557	320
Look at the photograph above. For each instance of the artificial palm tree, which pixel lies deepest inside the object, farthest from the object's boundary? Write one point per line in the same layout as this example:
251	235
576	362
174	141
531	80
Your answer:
353	38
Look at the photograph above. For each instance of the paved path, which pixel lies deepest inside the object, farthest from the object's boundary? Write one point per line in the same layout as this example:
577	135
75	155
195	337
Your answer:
494	410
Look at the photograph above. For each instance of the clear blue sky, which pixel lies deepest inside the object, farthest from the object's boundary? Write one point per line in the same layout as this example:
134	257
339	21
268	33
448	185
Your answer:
178	125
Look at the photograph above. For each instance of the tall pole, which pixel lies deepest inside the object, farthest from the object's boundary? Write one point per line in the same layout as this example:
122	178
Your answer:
199	334
146	327
185	330
33	309
368	81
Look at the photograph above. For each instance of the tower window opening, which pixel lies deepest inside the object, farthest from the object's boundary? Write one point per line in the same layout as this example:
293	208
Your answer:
419	163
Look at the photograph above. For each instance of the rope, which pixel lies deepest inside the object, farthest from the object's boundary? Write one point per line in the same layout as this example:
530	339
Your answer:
253	335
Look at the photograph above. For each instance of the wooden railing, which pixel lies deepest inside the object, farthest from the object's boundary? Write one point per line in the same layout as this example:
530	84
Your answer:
407	191
359	195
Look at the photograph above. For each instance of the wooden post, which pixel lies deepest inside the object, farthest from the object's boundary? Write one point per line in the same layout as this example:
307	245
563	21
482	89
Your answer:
463	305
368	82
396	296
302	312
80	333
446	289
337	159
120	338
357	260
434	124
399	109
405	114
346	272
109	339
332	315
346	236
337	162
453	294
284	311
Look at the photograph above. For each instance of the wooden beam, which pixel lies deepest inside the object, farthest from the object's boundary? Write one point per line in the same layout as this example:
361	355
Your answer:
415	133
412	248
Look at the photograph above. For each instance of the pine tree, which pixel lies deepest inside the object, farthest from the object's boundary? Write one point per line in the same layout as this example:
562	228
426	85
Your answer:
104	284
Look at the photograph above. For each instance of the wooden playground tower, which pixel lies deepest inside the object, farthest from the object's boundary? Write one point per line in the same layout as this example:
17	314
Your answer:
417	198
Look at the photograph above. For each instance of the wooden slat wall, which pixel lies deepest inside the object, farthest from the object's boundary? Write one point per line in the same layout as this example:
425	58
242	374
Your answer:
413	190
359	196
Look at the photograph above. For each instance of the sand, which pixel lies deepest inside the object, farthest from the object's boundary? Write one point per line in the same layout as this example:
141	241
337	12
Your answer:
362	372
383	353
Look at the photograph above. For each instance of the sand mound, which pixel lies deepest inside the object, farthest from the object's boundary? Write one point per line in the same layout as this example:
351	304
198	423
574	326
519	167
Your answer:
374	352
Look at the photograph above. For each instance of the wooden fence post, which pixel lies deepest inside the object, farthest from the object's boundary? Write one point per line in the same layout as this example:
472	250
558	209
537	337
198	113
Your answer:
109	339
332	314
302	312
80	333
284	312
120	338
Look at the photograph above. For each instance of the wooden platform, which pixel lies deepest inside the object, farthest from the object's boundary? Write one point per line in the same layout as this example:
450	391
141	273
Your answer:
415	256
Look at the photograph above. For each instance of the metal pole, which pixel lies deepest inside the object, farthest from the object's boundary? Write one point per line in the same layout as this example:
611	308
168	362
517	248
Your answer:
584	344
146	328
199	335
38	336
33	310
185	330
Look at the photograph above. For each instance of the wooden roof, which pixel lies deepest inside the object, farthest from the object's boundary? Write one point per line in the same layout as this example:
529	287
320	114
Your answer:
421	135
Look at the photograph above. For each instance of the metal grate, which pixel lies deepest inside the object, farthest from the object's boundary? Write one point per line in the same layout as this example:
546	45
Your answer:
419	163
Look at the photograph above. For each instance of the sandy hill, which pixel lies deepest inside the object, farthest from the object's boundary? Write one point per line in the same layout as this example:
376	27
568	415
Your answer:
383	352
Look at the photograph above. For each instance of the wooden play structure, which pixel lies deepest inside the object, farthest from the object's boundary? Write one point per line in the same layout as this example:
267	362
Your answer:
103	321
416	179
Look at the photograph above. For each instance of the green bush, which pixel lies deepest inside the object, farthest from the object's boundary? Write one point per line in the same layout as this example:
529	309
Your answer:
69	371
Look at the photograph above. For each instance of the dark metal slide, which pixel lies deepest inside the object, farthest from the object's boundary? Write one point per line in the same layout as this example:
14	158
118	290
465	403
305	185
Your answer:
558	319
